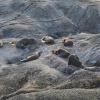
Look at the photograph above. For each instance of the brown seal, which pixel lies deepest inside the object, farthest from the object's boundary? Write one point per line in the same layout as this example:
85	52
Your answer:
1	43
25	42
48	40
31	57
61	52
67	42
74	60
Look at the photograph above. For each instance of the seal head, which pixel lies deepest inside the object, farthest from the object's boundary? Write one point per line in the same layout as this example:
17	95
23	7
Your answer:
61	53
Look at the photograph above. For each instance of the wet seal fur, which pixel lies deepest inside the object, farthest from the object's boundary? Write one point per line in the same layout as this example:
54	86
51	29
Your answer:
48	40
61	52
31	57
67	42
25	42
1	43
74	60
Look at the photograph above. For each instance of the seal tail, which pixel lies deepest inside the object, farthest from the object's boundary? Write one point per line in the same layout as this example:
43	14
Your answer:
24	60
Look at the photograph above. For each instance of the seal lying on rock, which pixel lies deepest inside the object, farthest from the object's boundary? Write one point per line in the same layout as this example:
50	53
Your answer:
1	43
31	57
48	40
74	60
61	53
67	42
25	42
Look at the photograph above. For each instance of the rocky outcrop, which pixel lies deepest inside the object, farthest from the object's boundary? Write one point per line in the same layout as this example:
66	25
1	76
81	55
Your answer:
49	77
49	71
21	18
75	94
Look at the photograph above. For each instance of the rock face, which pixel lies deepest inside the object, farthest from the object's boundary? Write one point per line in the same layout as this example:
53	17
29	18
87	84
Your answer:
29	17
75	94
49	77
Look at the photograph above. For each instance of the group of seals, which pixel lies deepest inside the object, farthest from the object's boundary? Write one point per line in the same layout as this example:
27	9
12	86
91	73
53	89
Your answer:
30	41
50	40
22	43
47	40
72	59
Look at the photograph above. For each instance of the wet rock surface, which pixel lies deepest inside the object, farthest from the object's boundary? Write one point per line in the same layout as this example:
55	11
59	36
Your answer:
49	77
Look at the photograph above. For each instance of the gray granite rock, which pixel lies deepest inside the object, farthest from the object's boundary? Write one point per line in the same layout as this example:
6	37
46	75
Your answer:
49	77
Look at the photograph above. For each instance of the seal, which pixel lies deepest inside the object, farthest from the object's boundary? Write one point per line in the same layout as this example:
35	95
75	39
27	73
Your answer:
61	52
48	40
31	57
25	42
74	60
1	43
67	42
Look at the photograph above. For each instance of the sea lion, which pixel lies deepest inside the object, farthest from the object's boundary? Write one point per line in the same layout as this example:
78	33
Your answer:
25	42
48	40
1	43
67	42
31	57
73	60
61	53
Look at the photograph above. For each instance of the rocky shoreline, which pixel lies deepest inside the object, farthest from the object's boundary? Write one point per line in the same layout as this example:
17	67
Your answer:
48	76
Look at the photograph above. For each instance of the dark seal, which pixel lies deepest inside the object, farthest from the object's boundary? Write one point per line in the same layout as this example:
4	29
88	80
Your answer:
74	60
25	42
61	52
